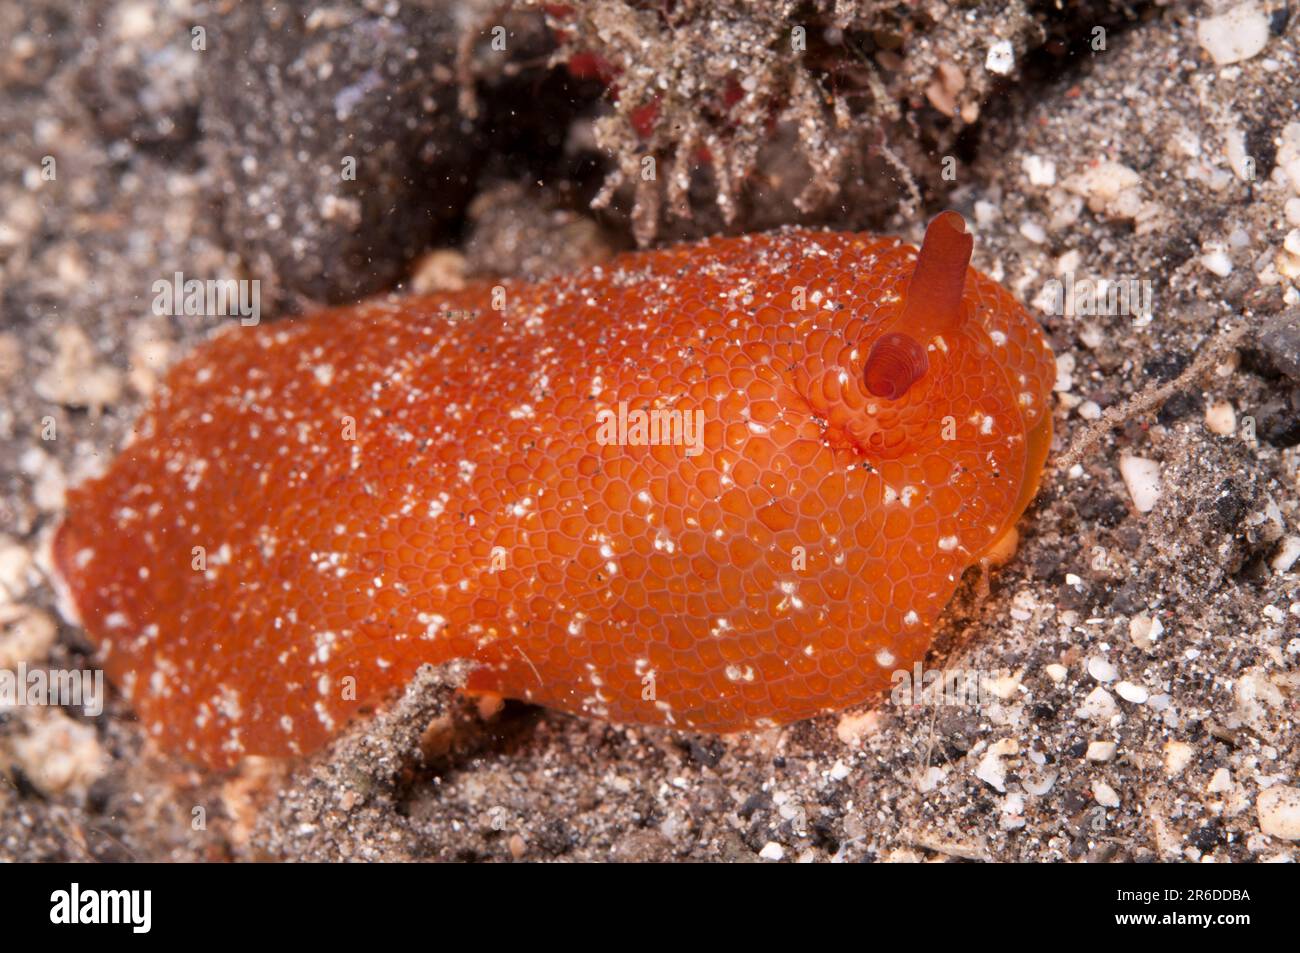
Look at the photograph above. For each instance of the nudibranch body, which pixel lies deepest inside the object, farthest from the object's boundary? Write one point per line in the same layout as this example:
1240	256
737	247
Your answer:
716	486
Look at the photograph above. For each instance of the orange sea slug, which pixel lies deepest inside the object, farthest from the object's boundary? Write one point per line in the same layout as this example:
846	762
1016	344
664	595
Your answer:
716	486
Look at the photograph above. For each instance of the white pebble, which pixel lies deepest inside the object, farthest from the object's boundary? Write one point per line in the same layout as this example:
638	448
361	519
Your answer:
1178	755
772	851
1234	36
1221	418
1142	479
1235	142
1132	693
1101	750
49	482
930	780
1005	687
1089	410
15	569
1288	157
1220	782
1104	794
1001	58
26	634
59	754
1279	812
1064	373
1101	669
1099	706
991	770
1109	187
1057	672
1216	261
1039	783
78	377
986	213
1144	630
1069	401
1288	551
1033	231
1040	171
856	726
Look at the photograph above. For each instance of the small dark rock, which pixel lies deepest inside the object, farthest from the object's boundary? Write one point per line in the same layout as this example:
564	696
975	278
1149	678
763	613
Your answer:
146	90
1179	406
1278	421
706	751
1048	565
825	835
337	142
761	801
1165	367
99	795
556	838
1207	838
1227	508
1074	802
1280	342
1077	597
1105	853
1259	143
1102	508
1129	598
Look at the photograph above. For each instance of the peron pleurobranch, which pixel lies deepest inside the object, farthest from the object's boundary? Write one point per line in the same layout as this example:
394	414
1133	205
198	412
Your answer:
716	486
